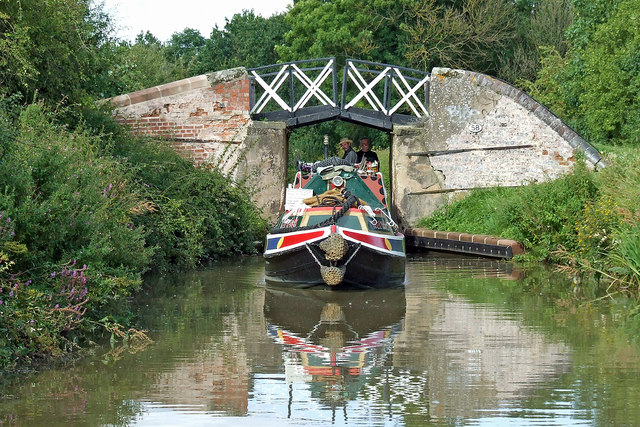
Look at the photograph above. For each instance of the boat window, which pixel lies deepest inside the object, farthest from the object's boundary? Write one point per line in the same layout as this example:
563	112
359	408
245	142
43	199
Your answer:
347	221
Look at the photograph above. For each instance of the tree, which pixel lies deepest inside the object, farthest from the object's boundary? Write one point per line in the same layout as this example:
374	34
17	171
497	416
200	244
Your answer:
247	40
595	86
142	65
183	47
609	91
53	49
471	36
371	30
541	26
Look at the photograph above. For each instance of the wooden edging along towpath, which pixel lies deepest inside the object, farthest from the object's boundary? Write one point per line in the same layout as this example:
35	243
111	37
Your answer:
474	244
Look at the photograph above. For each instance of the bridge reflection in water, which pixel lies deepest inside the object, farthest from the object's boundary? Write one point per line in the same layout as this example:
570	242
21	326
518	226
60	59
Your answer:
407	352
416	351
229	351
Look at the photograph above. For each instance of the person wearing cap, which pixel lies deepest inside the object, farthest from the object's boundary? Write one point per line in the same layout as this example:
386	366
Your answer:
349	154
370	156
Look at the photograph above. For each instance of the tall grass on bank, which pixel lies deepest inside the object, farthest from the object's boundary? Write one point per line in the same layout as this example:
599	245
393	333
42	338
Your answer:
589	220
83	215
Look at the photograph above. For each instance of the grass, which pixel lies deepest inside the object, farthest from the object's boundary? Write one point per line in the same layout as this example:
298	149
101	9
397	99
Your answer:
587	220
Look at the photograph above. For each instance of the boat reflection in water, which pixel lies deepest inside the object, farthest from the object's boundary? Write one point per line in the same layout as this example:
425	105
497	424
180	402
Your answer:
331	340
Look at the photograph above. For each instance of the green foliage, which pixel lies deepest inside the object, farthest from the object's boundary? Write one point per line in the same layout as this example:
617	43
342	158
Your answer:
601	220
372	30
69	202
611	78
596	85
143	64
184	46
191	210
114	203
497	37
199	215
52	49
247	40
620	181
538	215
540	27
625	258
587	220
547	88
469	36
61	200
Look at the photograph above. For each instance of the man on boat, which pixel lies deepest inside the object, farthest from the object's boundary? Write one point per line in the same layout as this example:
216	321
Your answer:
370	156
349	154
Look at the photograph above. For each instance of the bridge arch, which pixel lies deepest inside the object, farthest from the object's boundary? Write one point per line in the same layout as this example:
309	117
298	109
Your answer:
477	132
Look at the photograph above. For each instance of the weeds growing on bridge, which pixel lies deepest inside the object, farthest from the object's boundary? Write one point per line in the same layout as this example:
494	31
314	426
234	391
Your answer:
587	220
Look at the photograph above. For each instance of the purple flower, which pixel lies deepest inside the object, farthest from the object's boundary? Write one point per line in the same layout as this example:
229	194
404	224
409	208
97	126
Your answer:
1	302
53	275
11	293
57	306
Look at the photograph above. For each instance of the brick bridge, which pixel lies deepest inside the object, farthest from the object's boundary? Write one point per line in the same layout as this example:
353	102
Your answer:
450	130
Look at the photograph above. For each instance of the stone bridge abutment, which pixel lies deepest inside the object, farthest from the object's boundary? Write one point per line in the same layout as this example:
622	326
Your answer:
480	132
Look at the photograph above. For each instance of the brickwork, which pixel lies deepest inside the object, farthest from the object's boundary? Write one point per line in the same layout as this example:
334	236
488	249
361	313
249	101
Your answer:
206	118
201	115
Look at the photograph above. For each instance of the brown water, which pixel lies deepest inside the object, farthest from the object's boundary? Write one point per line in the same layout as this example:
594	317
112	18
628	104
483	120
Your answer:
466	342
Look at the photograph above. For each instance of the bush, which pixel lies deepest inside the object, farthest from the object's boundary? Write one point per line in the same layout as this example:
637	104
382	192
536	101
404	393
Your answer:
115	204
541	216
197	212
587	219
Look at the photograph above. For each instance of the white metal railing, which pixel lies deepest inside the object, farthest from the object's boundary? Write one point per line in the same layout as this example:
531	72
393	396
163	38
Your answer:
306	92
390	87
295	74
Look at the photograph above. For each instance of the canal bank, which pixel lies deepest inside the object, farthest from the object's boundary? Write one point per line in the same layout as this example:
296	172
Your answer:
463	243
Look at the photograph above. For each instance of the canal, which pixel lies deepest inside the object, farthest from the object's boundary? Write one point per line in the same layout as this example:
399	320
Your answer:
468	341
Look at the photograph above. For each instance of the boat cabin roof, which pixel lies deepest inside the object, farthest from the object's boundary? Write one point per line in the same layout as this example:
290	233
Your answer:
368	188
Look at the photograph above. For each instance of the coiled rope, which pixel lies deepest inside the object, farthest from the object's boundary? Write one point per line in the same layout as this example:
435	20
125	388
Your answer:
338	211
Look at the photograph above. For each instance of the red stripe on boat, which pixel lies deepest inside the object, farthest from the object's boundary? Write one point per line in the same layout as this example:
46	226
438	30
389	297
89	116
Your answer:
294	239
378	242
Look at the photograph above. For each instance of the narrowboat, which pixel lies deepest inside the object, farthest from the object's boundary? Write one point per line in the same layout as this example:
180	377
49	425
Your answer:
335	231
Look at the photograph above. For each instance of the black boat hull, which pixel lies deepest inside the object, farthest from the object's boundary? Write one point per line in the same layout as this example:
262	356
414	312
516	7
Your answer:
367	269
